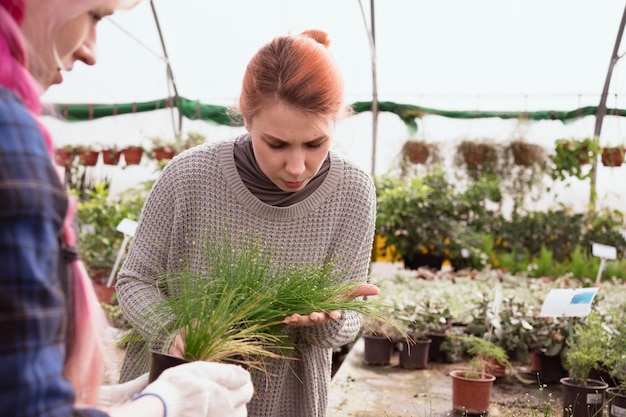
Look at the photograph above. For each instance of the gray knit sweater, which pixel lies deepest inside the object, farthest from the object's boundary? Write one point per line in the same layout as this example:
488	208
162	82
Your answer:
200	192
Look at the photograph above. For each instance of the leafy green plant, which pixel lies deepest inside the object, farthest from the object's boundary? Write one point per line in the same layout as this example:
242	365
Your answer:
425	215
590	343
571	155
98	215
483	351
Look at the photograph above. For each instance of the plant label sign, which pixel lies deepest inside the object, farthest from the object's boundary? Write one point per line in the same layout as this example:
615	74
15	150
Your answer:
568	302
604	251
128	227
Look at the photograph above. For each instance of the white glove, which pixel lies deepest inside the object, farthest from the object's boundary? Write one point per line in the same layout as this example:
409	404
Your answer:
203	389
111	395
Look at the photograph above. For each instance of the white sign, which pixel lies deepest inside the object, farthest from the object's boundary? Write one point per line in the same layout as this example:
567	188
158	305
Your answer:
568	302
128	227
604	251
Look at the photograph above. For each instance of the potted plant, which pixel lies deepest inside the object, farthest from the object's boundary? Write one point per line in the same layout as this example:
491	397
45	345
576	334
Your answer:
87	155
547	346
571	155
524	168
64	156
413	350
418	152
583	396
162	149
425	220
471	388
111	155
525	153
437	319
132	154
99	241
480	158
615	362
612	156
379	338
234	311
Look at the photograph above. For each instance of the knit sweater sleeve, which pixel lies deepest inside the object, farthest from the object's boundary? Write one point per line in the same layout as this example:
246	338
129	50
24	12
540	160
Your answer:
353	256
137	282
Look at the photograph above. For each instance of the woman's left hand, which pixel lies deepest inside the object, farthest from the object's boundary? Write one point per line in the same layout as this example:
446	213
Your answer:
314	318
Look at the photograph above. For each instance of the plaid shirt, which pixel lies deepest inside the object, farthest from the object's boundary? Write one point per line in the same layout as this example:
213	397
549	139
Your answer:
33	309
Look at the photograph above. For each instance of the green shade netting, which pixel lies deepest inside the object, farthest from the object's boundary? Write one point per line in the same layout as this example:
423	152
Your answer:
194	110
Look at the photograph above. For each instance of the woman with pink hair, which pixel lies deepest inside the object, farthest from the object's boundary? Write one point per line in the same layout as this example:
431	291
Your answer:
50	321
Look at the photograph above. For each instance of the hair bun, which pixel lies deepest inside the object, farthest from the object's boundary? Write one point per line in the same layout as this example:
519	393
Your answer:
318	35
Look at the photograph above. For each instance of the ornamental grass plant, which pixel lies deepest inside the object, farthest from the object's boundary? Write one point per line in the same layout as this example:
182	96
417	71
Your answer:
234	310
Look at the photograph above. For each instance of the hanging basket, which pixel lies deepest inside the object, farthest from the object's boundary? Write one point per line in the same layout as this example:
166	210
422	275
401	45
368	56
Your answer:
164	152
612	156
88	156
416	152
132	155
475	154
111	156
526	154
64	157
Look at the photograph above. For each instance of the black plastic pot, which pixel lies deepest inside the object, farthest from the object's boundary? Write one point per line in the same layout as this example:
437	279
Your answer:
377	350
159	362
413	354
583	400
616	401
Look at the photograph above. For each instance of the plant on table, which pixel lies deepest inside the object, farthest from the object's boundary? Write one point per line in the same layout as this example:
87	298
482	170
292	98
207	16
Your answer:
98	215
425	219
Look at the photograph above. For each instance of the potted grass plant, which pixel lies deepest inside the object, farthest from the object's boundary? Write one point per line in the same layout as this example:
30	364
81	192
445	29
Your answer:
234	311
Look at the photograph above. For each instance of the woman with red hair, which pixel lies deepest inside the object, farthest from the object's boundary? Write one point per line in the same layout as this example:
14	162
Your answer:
51	362
280	183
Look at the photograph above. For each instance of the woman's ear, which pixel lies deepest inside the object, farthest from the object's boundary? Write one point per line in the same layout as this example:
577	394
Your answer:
247	123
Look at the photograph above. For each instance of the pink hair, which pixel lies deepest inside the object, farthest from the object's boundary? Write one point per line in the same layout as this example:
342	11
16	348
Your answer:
84	365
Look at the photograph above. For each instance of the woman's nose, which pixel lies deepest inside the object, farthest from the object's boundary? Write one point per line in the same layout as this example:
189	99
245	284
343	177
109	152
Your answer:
296	163
86	52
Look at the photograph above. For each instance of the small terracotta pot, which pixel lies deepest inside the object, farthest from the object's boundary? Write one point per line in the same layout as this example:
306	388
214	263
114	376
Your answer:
132	155
111	156
88	157
471	395
64	157
162	153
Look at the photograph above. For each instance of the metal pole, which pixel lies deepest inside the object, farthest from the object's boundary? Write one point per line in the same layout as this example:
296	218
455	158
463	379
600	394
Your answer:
170	73
374	89
600	113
